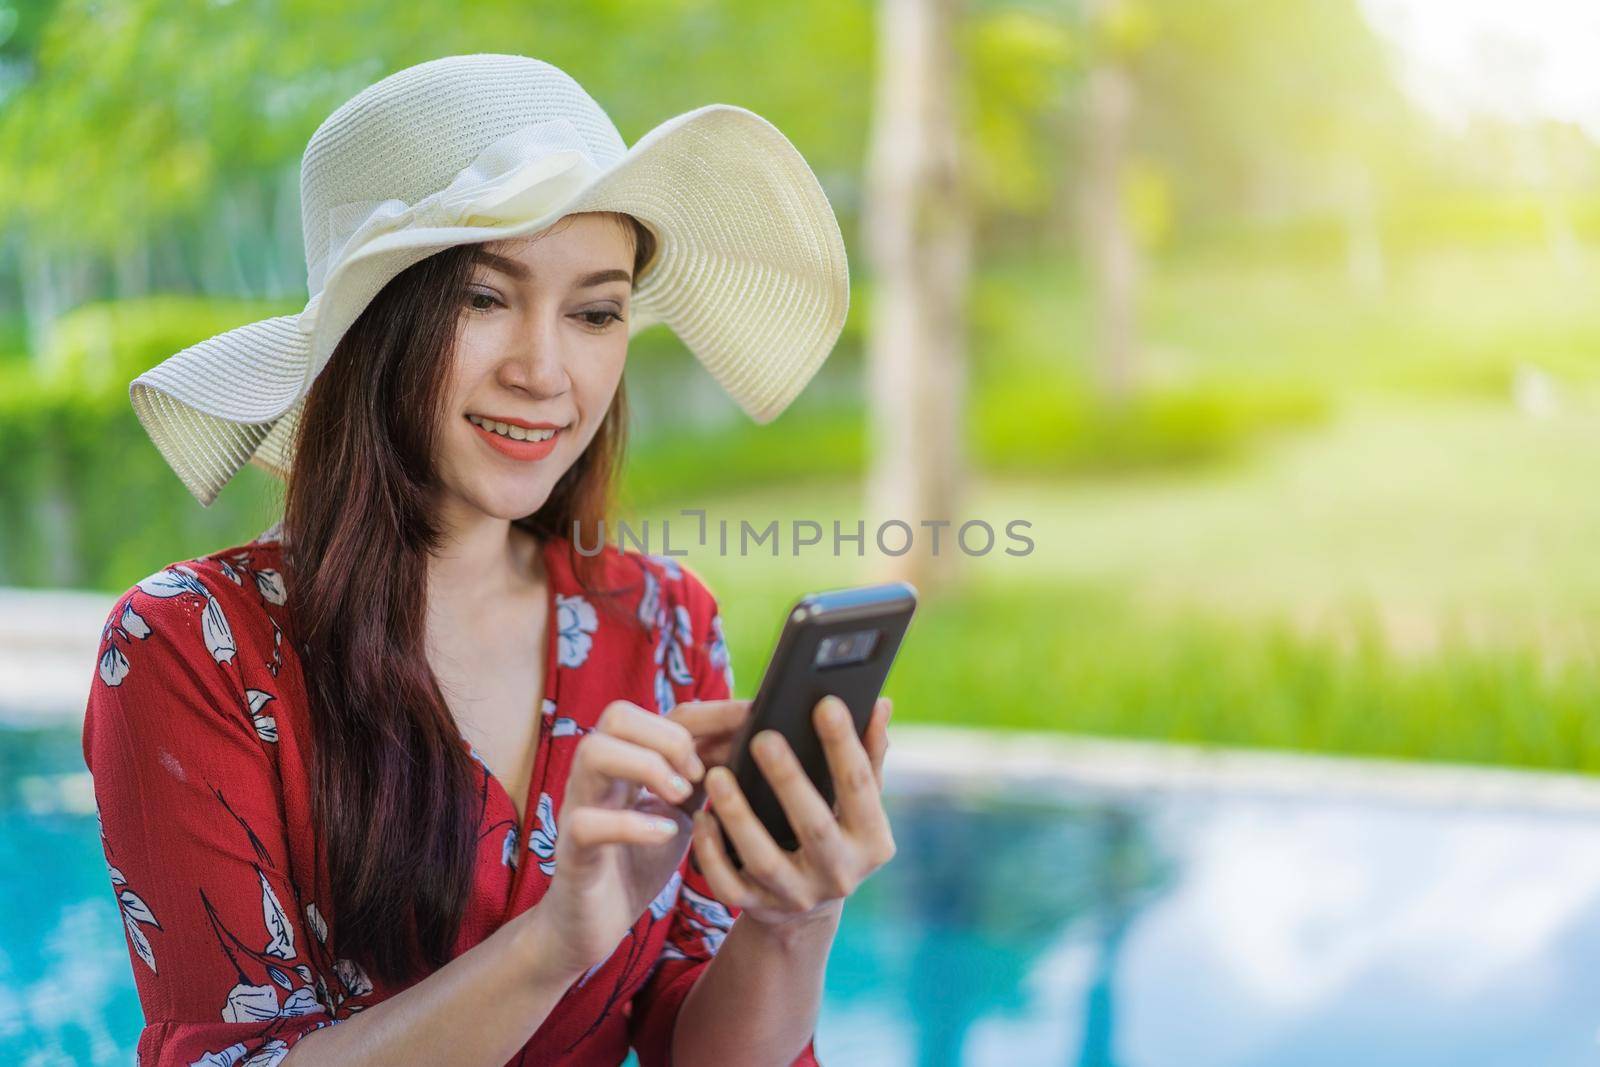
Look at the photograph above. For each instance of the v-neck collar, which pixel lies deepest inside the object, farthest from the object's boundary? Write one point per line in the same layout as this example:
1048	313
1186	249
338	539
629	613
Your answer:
556	571
554	584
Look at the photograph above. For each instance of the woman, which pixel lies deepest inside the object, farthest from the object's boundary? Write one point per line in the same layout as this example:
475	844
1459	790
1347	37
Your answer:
420	773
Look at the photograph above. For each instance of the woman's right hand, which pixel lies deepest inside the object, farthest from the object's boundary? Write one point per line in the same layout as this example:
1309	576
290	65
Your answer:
625	824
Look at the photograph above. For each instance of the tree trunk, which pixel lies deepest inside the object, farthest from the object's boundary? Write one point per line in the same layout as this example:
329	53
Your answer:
916	229
1110	250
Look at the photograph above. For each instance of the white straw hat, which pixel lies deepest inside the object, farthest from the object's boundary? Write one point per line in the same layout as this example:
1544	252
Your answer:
750	268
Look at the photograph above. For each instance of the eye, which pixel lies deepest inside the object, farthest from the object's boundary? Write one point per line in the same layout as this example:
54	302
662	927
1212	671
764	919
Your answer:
475	295
599	318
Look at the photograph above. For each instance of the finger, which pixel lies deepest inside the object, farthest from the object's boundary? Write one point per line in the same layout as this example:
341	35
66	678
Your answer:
715	725
704	718
809	814
855	787
766	863
726	883
627	720
877	738
603	759
589	827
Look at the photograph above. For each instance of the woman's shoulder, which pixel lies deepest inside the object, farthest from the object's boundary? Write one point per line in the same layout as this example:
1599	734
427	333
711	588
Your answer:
220	598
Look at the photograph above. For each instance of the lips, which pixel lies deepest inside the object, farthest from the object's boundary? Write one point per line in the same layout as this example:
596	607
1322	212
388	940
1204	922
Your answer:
524	451
511	421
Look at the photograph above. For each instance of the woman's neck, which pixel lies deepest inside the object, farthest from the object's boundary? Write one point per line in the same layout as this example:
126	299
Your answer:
491	559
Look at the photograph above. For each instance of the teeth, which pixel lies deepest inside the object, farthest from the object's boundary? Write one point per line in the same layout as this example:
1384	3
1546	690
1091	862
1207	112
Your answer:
516	433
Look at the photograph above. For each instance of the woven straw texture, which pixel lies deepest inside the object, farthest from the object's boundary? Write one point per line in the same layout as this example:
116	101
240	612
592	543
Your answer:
750	271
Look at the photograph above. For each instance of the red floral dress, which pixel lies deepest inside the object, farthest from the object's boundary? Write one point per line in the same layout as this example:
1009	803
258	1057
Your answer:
196	734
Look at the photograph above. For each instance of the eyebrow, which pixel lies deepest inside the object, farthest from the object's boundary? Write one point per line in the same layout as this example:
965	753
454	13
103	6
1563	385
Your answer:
516	269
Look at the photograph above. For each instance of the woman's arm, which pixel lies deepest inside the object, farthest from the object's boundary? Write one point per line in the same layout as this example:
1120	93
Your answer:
764	1008
758	999
228	956
761	1003
481	1007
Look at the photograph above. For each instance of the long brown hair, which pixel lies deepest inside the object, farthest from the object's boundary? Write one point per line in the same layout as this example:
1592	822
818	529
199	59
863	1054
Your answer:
394	790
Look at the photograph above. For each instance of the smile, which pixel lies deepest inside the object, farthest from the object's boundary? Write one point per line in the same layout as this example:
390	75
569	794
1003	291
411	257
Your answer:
516	442
516	433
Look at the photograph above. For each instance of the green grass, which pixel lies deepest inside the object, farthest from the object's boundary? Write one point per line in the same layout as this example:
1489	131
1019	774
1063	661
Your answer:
1418	579
1083	660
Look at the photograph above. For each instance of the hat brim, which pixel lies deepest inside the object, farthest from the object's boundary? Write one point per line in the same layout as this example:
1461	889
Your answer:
750	272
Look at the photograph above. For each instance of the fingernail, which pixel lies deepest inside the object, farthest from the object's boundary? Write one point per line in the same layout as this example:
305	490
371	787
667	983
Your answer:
680	785
666	826
697	766
768	740
837	711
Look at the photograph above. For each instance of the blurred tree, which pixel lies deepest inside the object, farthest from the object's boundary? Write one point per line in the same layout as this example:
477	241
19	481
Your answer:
916	228
1023	66
1276	108
1117	29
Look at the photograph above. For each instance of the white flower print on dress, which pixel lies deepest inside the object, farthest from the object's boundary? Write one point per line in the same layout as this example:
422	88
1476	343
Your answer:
508	849
268	1055
718	651
134	912
713	919
176	580
266	725
134	909
280	941
114	664
166	583
561	725
542	839
650	600
676	634
669	565
318	924
356	982
275	664
667	897
576	623
270	584
259	1003
228	1057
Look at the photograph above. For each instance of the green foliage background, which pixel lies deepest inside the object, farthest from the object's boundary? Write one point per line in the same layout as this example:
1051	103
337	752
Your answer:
149	200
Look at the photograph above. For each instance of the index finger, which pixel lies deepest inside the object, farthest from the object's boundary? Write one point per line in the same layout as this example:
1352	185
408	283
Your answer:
704	718
714	724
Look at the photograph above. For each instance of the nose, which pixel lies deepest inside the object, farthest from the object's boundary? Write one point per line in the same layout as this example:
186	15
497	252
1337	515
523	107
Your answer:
535	366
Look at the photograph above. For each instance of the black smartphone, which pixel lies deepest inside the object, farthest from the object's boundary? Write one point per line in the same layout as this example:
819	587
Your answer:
840	643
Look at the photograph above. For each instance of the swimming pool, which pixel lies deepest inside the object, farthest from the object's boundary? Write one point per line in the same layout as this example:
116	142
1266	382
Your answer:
1024	925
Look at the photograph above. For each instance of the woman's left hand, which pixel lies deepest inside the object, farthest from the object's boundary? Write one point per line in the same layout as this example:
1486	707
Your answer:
838	847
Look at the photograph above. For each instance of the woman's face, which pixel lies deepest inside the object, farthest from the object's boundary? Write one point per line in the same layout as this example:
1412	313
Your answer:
542	336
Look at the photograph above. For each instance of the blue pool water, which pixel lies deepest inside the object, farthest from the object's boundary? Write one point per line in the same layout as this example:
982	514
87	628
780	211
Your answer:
1196	928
